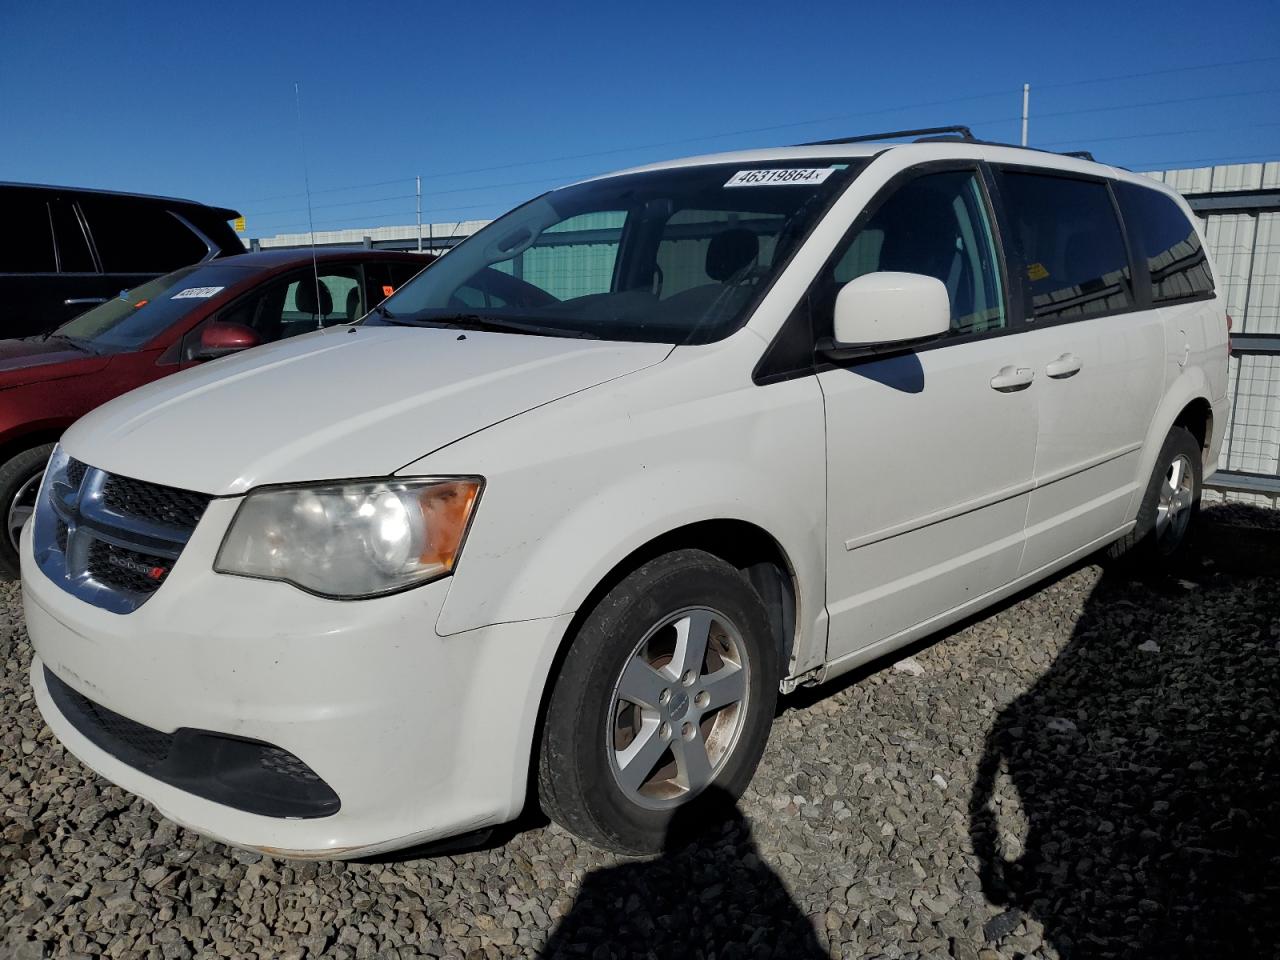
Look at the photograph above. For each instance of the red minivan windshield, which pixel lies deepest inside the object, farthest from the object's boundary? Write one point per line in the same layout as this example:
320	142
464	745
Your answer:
138	315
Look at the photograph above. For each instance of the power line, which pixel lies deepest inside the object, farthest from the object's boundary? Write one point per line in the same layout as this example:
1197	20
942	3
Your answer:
1163	133
1155	73
1158	103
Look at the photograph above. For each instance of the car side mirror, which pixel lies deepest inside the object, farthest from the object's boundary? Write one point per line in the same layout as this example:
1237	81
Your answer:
223	339
886	312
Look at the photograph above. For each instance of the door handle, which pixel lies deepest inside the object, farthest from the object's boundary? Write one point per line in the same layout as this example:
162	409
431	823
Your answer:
82	301
1012	379
1067	365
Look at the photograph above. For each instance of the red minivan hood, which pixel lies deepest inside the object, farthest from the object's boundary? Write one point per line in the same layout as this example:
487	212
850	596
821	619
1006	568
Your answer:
36	359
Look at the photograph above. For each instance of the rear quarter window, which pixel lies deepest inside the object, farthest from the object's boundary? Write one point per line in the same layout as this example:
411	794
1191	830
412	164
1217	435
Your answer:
1168	242
139	237
1073	251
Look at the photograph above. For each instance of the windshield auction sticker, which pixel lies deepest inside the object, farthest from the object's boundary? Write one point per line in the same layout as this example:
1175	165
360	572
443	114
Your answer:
772	178
197	293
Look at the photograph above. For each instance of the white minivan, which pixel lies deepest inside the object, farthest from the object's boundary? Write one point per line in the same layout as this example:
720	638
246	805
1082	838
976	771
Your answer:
564	516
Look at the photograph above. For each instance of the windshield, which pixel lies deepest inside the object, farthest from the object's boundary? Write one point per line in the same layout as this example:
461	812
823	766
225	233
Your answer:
672	256
138	315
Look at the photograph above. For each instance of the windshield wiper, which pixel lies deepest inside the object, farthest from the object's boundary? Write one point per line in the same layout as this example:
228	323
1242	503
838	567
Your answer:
74	341
475	321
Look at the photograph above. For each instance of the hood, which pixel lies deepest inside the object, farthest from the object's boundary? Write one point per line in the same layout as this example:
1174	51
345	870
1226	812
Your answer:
346	402
34	359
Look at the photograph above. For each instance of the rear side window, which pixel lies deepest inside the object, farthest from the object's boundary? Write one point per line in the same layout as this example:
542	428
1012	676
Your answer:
139	237
26	241
1168	242
73	248
1073	251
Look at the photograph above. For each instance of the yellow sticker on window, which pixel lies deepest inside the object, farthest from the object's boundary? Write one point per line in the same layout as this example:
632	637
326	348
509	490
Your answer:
1036	271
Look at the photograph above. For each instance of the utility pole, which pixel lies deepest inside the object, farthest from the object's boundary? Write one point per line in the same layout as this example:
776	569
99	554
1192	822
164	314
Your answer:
419	180
1026	102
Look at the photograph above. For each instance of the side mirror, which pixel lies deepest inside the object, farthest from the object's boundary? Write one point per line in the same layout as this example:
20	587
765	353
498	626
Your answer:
222	339
886	313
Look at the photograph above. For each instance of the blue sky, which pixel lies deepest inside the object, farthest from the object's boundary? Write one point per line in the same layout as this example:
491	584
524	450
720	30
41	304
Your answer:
493	103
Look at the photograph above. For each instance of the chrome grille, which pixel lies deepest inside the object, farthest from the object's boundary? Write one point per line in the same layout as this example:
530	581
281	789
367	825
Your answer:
108	539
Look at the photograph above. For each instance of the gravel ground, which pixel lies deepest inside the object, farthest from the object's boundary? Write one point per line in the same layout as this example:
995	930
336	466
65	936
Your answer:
1092	770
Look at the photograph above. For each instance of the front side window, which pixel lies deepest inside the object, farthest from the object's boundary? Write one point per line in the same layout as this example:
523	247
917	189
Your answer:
1072	248
300	303
1168	242
671	256
937	225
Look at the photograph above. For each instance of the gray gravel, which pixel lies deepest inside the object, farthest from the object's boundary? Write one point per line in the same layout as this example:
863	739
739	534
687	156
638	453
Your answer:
1093	770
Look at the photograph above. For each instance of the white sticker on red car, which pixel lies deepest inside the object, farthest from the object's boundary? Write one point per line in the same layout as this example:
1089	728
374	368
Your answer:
772	178
197	293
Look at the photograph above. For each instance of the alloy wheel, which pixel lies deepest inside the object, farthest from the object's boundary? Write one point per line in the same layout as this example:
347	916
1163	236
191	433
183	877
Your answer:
1174	508
678	708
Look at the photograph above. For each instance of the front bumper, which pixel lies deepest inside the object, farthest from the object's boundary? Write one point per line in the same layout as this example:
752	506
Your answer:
420	736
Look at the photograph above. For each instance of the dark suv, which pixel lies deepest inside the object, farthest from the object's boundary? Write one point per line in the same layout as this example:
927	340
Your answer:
63	249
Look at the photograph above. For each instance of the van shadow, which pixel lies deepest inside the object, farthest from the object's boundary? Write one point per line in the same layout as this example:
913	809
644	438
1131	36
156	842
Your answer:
709	894
1130	800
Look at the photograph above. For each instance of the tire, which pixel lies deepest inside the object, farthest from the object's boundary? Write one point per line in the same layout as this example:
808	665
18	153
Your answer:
19	481
1161	539
597	744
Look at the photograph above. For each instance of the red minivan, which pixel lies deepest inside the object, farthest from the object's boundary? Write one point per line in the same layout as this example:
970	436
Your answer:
194	314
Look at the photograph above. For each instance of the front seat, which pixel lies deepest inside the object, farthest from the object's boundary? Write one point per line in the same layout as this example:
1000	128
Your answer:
305	299
353	304
729	255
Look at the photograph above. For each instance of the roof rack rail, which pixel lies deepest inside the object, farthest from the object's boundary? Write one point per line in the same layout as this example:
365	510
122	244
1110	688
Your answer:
961	132
1082	154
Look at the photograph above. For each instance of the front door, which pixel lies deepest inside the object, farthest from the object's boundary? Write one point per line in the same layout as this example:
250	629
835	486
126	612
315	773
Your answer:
930	453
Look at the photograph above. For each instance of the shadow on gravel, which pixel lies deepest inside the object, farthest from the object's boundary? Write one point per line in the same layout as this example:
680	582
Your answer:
710	896
1130	801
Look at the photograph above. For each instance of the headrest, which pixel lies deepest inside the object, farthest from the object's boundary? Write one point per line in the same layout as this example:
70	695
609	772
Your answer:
306	298
353	304
729	251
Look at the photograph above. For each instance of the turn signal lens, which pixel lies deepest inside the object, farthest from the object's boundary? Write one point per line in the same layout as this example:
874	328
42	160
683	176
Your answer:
446	510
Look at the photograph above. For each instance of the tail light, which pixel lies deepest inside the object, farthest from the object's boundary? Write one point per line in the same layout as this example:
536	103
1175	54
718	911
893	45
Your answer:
1230	351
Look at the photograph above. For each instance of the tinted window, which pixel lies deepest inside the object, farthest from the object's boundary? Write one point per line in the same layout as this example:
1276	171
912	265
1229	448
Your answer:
1167	240
139	237
937	225
1072	248
73	248
142	313
26	239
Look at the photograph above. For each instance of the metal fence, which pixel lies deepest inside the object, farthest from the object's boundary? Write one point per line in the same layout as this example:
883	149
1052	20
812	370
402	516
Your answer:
1239	207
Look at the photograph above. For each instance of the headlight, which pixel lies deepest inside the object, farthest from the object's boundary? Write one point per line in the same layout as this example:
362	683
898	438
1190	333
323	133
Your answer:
353	539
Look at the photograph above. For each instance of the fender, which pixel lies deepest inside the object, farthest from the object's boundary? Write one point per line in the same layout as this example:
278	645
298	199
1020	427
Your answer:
1191	384
552	523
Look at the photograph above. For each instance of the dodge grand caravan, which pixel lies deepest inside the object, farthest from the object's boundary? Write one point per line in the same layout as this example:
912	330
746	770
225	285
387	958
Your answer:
579	501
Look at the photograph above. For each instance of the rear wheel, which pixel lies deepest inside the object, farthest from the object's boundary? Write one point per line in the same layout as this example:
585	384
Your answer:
20	480
1166	518
668	688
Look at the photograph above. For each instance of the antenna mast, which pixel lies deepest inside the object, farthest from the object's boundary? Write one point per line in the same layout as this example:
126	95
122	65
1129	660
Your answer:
306	182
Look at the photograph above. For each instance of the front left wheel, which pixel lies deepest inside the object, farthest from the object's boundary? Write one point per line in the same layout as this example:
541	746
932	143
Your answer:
20	478
668	689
